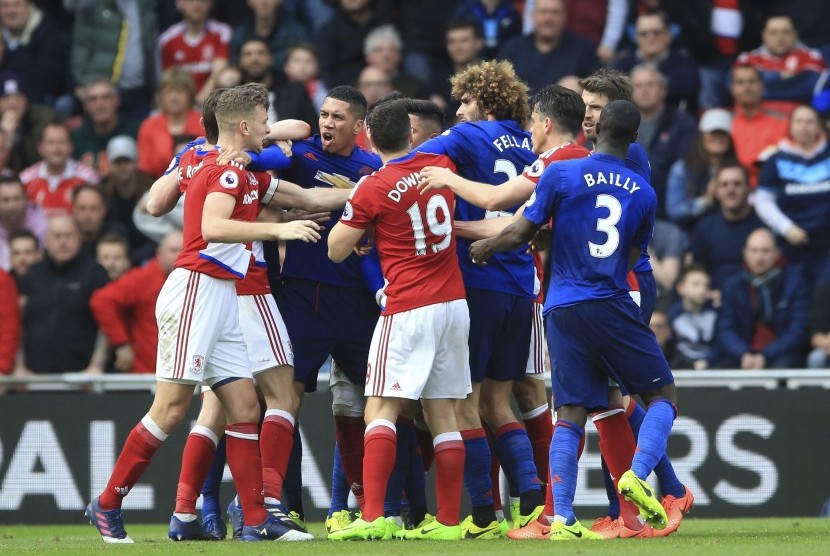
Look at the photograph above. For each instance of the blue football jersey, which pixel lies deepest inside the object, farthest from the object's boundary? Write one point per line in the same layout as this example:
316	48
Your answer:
489	152
311	167
636	159
600	208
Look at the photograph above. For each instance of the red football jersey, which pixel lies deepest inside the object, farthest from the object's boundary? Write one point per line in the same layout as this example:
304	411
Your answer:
195	54
54	193
567	151
413	232
256	279
228	261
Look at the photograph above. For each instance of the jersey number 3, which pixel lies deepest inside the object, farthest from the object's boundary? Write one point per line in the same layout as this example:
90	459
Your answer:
438	228
607	226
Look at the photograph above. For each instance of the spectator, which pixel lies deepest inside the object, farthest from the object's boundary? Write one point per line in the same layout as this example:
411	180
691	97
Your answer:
125	309
755	130
693	319
661	327
271	22
718	238
175	98
197	44
819	321
89	210
602	22
763	316
9	325
793	196
21	122
103	32
59	331
465	43
690	187
101	123
113	253
302	65
550	52
24	251
51	182
288	100
654	46
340	41
788	68
667	247
123	188
383	49
374	84
497	19
16	213
35	49
665	132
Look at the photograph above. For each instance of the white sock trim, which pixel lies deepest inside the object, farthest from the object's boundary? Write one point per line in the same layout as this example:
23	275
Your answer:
533	413
187	518
153	428
381	423
281	413
446	437
201	430
607	414
242	435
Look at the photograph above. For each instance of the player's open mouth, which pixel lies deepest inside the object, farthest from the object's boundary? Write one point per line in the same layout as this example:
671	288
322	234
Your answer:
327	137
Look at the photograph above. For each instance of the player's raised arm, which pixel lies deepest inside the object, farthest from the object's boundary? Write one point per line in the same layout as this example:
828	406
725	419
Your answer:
316	199
218	227
482	229
288	130
342	241
489	197
512	237
164	194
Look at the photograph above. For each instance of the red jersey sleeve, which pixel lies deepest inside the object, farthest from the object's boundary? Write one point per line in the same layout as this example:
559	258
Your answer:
231	180
111	304
568	151
362	207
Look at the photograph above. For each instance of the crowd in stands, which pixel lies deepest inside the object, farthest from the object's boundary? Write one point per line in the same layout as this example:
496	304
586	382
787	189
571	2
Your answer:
96	96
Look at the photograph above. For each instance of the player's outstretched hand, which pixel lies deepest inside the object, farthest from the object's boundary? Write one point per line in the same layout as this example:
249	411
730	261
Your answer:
232	155
542	241
299	214
304	230
285	146
480	251
434	177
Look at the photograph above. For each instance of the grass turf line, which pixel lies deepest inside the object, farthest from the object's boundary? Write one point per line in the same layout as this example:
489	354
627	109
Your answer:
710	537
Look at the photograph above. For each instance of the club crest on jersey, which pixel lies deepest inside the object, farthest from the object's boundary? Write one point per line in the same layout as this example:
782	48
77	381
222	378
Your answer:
229	180
252	179
198	363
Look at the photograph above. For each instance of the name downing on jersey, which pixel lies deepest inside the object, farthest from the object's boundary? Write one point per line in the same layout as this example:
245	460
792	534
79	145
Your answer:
403	185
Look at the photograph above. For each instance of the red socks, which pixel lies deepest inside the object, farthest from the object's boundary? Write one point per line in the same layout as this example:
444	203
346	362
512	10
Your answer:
242	445
539	426
379	453
617	445
138	450
349	432
276	438
449	479
196	461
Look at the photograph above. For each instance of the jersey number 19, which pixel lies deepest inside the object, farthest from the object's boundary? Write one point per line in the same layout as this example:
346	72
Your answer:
438	229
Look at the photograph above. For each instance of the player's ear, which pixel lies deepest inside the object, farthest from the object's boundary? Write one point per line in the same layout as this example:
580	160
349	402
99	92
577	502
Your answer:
548	125
244	128
359	124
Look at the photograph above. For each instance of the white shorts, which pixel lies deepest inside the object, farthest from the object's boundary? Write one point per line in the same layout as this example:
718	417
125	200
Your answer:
421	353
200	339
538	345
265	335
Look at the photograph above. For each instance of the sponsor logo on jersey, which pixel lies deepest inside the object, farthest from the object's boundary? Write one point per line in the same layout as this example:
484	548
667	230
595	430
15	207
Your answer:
229	179
348	211
395	387
338	181
250	197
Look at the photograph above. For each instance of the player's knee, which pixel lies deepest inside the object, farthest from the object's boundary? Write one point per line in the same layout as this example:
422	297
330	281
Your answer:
348	400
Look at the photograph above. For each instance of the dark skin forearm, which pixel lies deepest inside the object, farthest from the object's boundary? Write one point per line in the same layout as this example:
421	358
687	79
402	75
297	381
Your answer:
512	237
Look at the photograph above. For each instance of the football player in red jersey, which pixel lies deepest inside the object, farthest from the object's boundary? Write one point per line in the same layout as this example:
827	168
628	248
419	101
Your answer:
199	335
419	348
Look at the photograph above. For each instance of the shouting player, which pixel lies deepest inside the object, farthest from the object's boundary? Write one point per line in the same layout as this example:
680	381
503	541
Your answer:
419	347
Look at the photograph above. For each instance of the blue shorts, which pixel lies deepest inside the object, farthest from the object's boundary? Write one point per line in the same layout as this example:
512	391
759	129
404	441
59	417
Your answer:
500	328
325	320
599	339
648	294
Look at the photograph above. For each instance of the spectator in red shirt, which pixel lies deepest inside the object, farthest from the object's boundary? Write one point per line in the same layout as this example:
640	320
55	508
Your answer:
789	69
125	309
51	182
176	117
197	44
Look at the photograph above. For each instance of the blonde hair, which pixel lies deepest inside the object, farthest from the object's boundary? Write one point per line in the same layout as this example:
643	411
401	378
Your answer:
177	77
497	89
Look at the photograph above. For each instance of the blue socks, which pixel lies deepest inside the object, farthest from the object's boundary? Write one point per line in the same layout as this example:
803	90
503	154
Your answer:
564	466
516	455
666	477
339	485
477	476
610	492
213	480
653	437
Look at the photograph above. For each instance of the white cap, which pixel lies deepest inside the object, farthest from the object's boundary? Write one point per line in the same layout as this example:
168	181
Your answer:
121	146
716	119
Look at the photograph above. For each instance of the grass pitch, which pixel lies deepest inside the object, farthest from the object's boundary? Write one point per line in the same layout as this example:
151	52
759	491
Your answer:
707	537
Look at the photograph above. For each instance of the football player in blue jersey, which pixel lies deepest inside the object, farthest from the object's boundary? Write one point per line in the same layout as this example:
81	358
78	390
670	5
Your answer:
603	215
491	146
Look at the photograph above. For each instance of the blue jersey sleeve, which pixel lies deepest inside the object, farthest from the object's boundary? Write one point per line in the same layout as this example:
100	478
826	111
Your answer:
271	158
371	271
636	160
432	146
542	203
176	159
